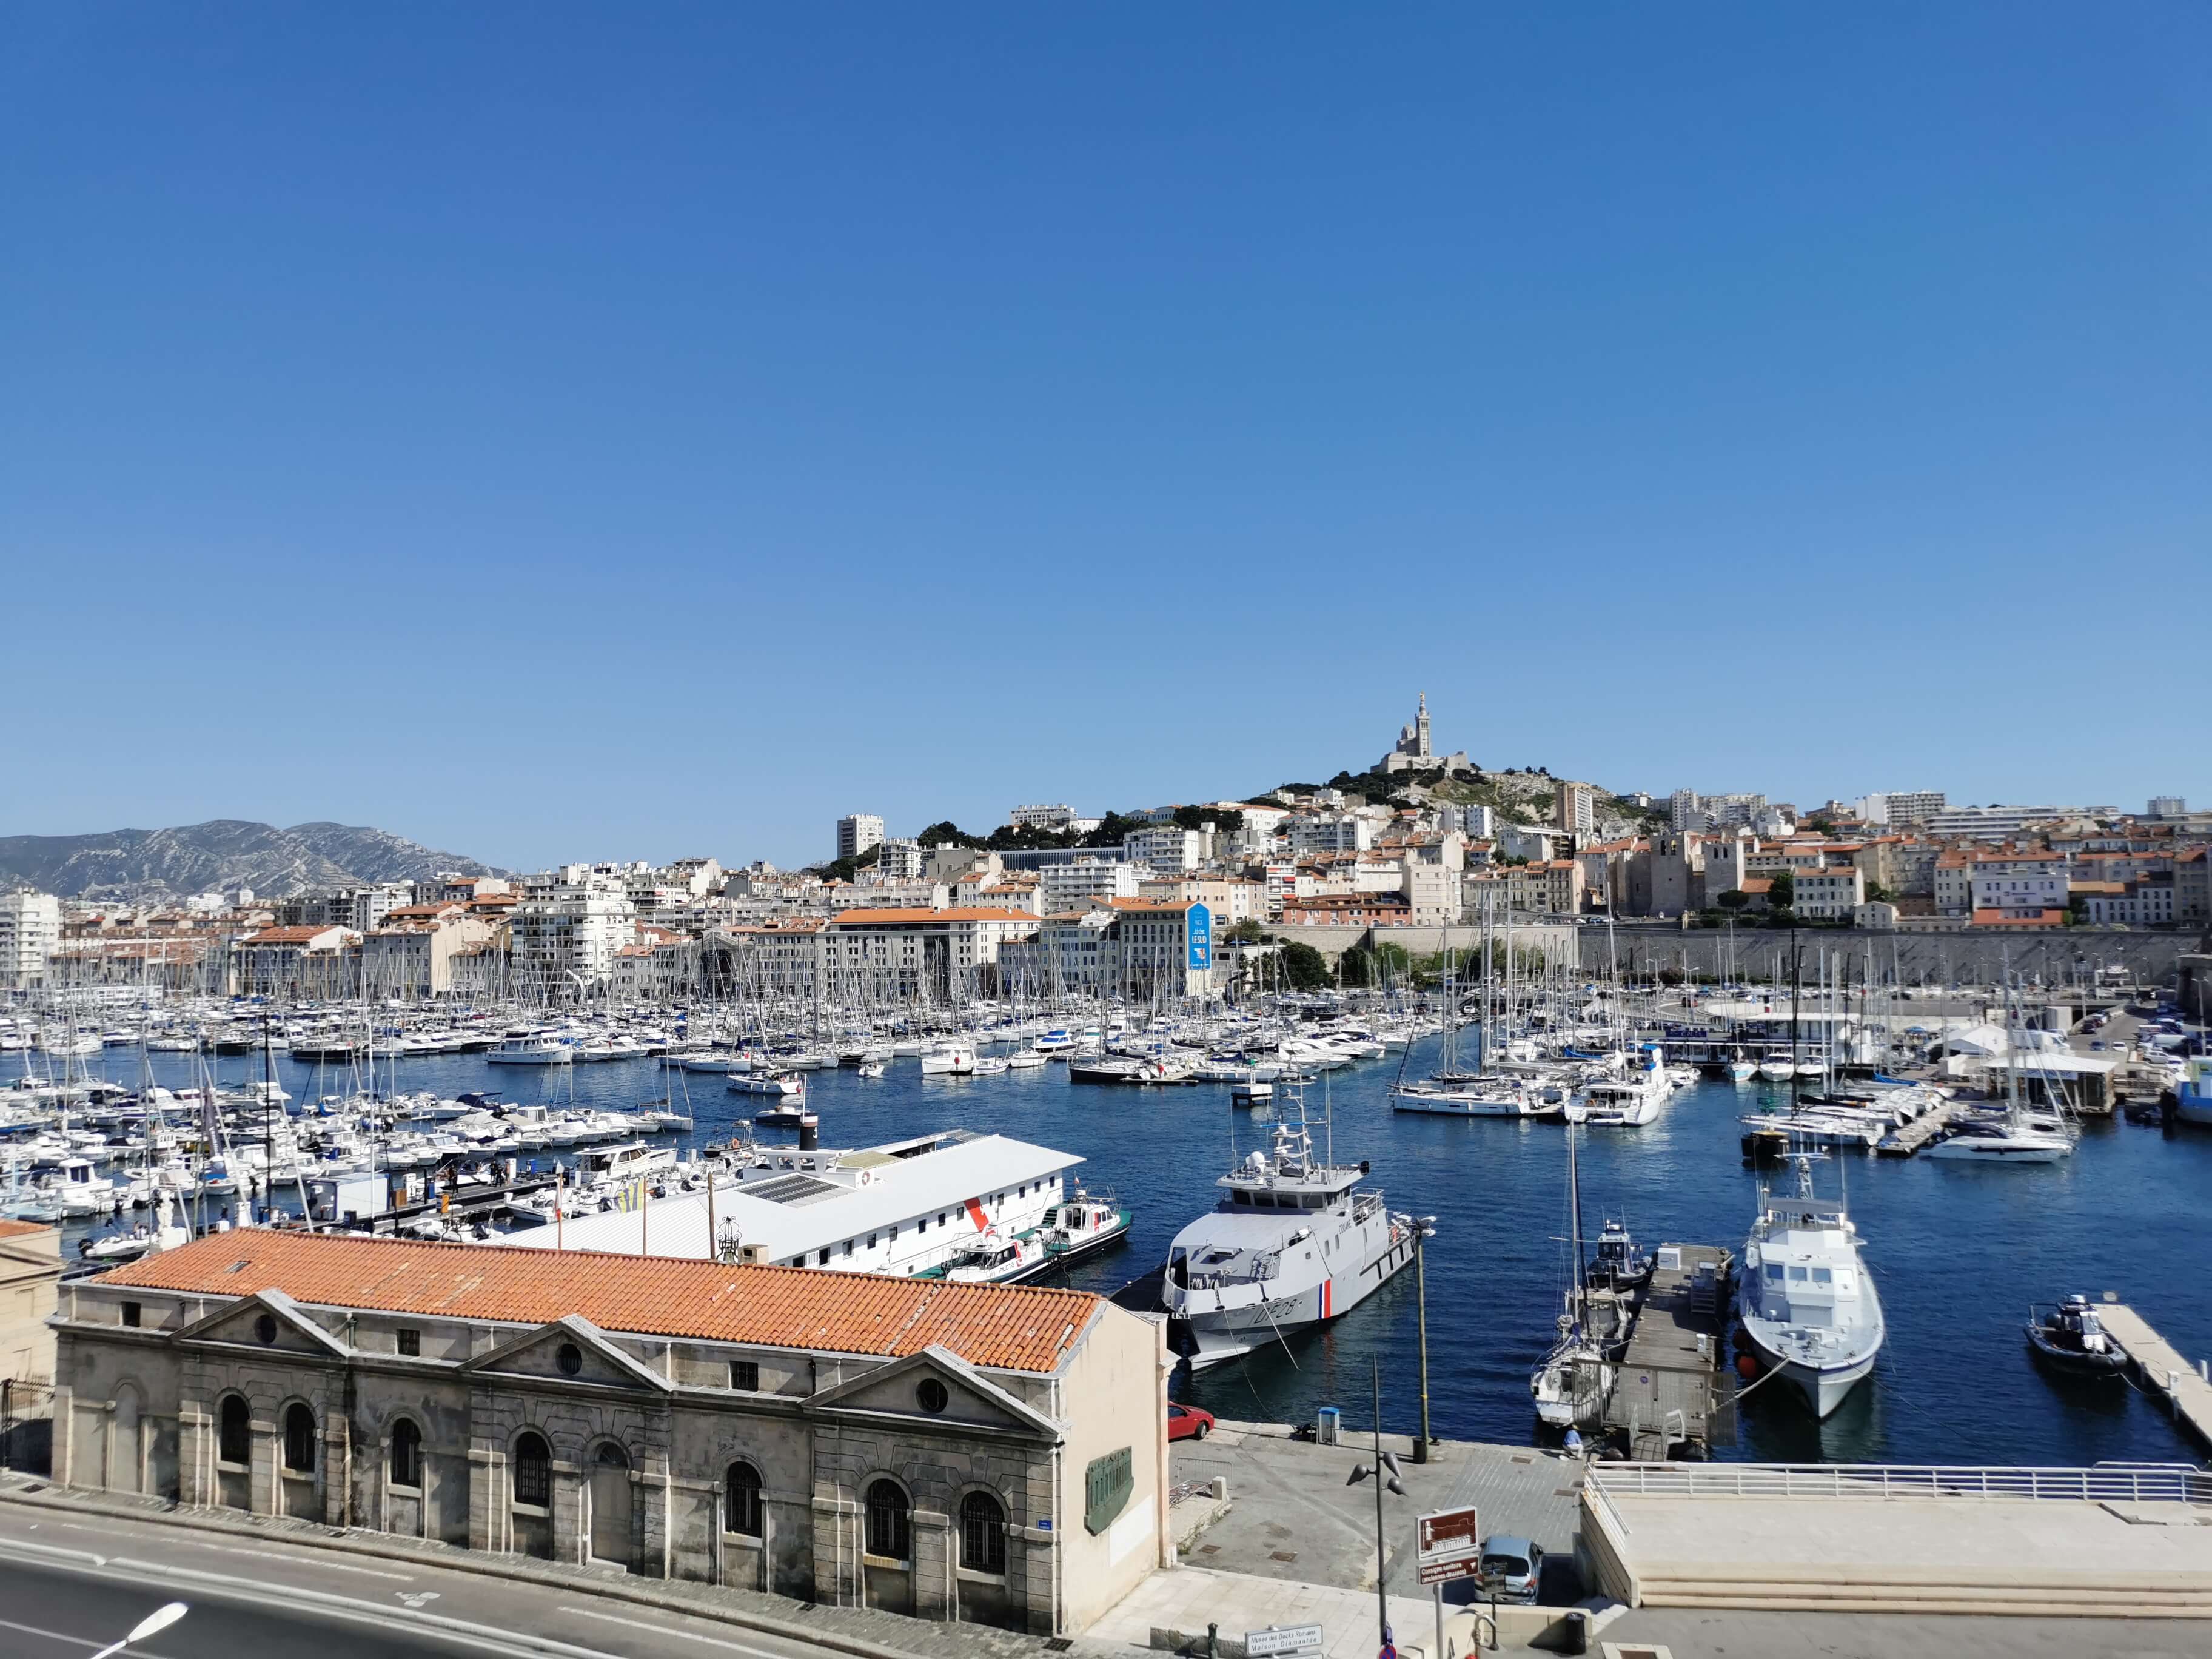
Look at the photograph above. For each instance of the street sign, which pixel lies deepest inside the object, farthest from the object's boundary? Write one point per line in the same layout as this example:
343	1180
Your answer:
1279	1639
1448	1545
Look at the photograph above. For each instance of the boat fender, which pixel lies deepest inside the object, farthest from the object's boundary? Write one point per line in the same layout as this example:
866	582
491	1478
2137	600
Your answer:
1745	1367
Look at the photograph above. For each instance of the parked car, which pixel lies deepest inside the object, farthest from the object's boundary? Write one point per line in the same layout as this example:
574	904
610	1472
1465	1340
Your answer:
1511	1568
1188	1422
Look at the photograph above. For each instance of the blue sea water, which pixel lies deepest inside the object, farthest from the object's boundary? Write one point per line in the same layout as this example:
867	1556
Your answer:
1959	1253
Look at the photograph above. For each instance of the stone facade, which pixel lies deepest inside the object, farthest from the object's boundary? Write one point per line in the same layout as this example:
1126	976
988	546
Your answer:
571	1443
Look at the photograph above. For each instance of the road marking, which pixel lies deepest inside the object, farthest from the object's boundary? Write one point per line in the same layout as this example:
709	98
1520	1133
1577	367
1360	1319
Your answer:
416	1599
263	1554
51	1635
669	1629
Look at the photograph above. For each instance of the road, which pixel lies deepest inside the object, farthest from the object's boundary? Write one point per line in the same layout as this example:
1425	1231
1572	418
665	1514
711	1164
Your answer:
72	1583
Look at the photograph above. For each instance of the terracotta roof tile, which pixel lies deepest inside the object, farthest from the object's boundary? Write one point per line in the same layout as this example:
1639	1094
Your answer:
1012	1327
11	1228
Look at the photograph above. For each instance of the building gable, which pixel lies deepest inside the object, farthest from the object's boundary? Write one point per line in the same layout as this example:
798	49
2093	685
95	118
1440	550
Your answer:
972	1403
270	1320
571	1349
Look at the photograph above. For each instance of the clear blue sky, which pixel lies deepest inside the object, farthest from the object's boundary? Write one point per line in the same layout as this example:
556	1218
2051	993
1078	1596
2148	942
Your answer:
636	431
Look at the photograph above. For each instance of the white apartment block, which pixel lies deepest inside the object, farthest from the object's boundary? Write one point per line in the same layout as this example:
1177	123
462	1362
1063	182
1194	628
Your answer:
2145	903
900	858
1987	823
30	932
2168	806
857	832
2020	890
1902	808
1229	899
1829	894
1574	808
1059	816
1474	822
1330	832
1085	884
1166	849
564	934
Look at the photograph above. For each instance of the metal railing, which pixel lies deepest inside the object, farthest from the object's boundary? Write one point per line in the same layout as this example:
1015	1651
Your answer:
2105	1482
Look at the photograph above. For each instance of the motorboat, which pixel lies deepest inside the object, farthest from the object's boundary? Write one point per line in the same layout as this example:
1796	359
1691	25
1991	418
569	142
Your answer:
1023	1060
763	1083
2071	1337
1618	1264
2000	1141
1742	1071
949	1059
873	1068
532	1048
1806	1302
1084	1225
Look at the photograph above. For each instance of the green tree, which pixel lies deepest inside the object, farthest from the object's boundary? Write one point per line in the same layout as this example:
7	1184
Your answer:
1784	893
946	833
1878	894
1734	899
1304	968
1246	931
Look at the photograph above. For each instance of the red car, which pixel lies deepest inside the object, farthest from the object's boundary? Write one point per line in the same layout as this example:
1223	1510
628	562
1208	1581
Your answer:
1188	1422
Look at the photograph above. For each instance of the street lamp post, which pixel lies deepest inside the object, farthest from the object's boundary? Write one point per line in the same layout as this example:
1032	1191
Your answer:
1386	1473
1423	1225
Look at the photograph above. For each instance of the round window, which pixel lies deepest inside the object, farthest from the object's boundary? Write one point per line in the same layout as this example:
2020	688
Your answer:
570	1359
932	1396
266	1327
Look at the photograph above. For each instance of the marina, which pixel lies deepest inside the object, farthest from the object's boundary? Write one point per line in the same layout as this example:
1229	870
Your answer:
2106	1216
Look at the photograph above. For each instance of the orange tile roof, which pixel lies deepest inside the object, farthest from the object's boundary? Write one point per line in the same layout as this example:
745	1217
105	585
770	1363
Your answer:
10	1229
294	935
1009	1326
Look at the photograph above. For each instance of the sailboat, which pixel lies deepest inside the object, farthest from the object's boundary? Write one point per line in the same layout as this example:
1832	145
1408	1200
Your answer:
2018	1135
1450	1092
1570	1386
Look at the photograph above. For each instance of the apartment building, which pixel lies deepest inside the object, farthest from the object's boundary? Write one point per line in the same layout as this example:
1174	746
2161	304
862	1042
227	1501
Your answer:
896	955
30	932
1165	848
564	933
2148	903
1086	884
857	832
1829	893
296	963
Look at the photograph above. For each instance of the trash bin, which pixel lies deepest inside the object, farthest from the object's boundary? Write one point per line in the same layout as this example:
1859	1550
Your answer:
1574	1633
1328	1423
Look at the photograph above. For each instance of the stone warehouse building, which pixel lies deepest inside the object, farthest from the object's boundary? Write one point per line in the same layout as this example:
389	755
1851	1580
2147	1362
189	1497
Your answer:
973	1452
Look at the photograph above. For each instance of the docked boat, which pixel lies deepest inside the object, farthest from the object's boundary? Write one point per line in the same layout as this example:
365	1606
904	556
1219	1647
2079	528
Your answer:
774	1083
532	1048
949	1059
1083	1226
873	1068
1569	1389
2071	1337
1742	1071
1292	1242
1618	1265
1805	1300
784	1115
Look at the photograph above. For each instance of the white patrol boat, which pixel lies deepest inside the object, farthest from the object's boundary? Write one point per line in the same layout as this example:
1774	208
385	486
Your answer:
1805	1298
1293	1242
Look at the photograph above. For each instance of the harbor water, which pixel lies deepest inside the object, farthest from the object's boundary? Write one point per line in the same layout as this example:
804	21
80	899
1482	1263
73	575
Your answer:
1959	1253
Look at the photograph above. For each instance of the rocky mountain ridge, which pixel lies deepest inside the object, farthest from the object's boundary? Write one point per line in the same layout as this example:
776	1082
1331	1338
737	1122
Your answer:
143	865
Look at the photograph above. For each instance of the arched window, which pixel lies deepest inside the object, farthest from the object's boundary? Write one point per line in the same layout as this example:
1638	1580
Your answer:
406	1454
891	1533
235	1436
982	1533
741	1501
533	1471
299	1440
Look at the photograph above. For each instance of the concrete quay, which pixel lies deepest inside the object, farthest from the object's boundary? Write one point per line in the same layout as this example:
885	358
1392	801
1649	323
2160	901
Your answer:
2117	1543
2164	1369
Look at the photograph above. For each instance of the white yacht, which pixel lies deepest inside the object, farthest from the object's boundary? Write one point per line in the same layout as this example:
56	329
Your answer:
532	1048
949	1059
1805	1297
1293	1241
1632	1099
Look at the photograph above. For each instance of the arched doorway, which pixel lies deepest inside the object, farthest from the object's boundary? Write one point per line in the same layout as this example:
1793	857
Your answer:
529	1498
125	1457
610	1506
234	1453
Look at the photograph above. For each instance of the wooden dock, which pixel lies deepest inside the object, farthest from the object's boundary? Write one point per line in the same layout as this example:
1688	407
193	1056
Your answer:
1667	1389
2163	1368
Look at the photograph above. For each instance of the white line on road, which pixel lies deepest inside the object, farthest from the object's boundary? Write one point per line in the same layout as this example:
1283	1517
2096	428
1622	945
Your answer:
669	1629
314	1561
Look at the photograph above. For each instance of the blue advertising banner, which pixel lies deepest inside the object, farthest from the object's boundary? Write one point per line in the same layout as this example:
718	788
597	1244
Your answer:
1201	938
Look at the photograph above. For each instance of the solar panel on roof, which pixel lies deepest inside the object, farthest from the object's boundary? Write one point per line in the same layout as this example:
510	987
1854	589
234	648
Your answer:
792	1189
